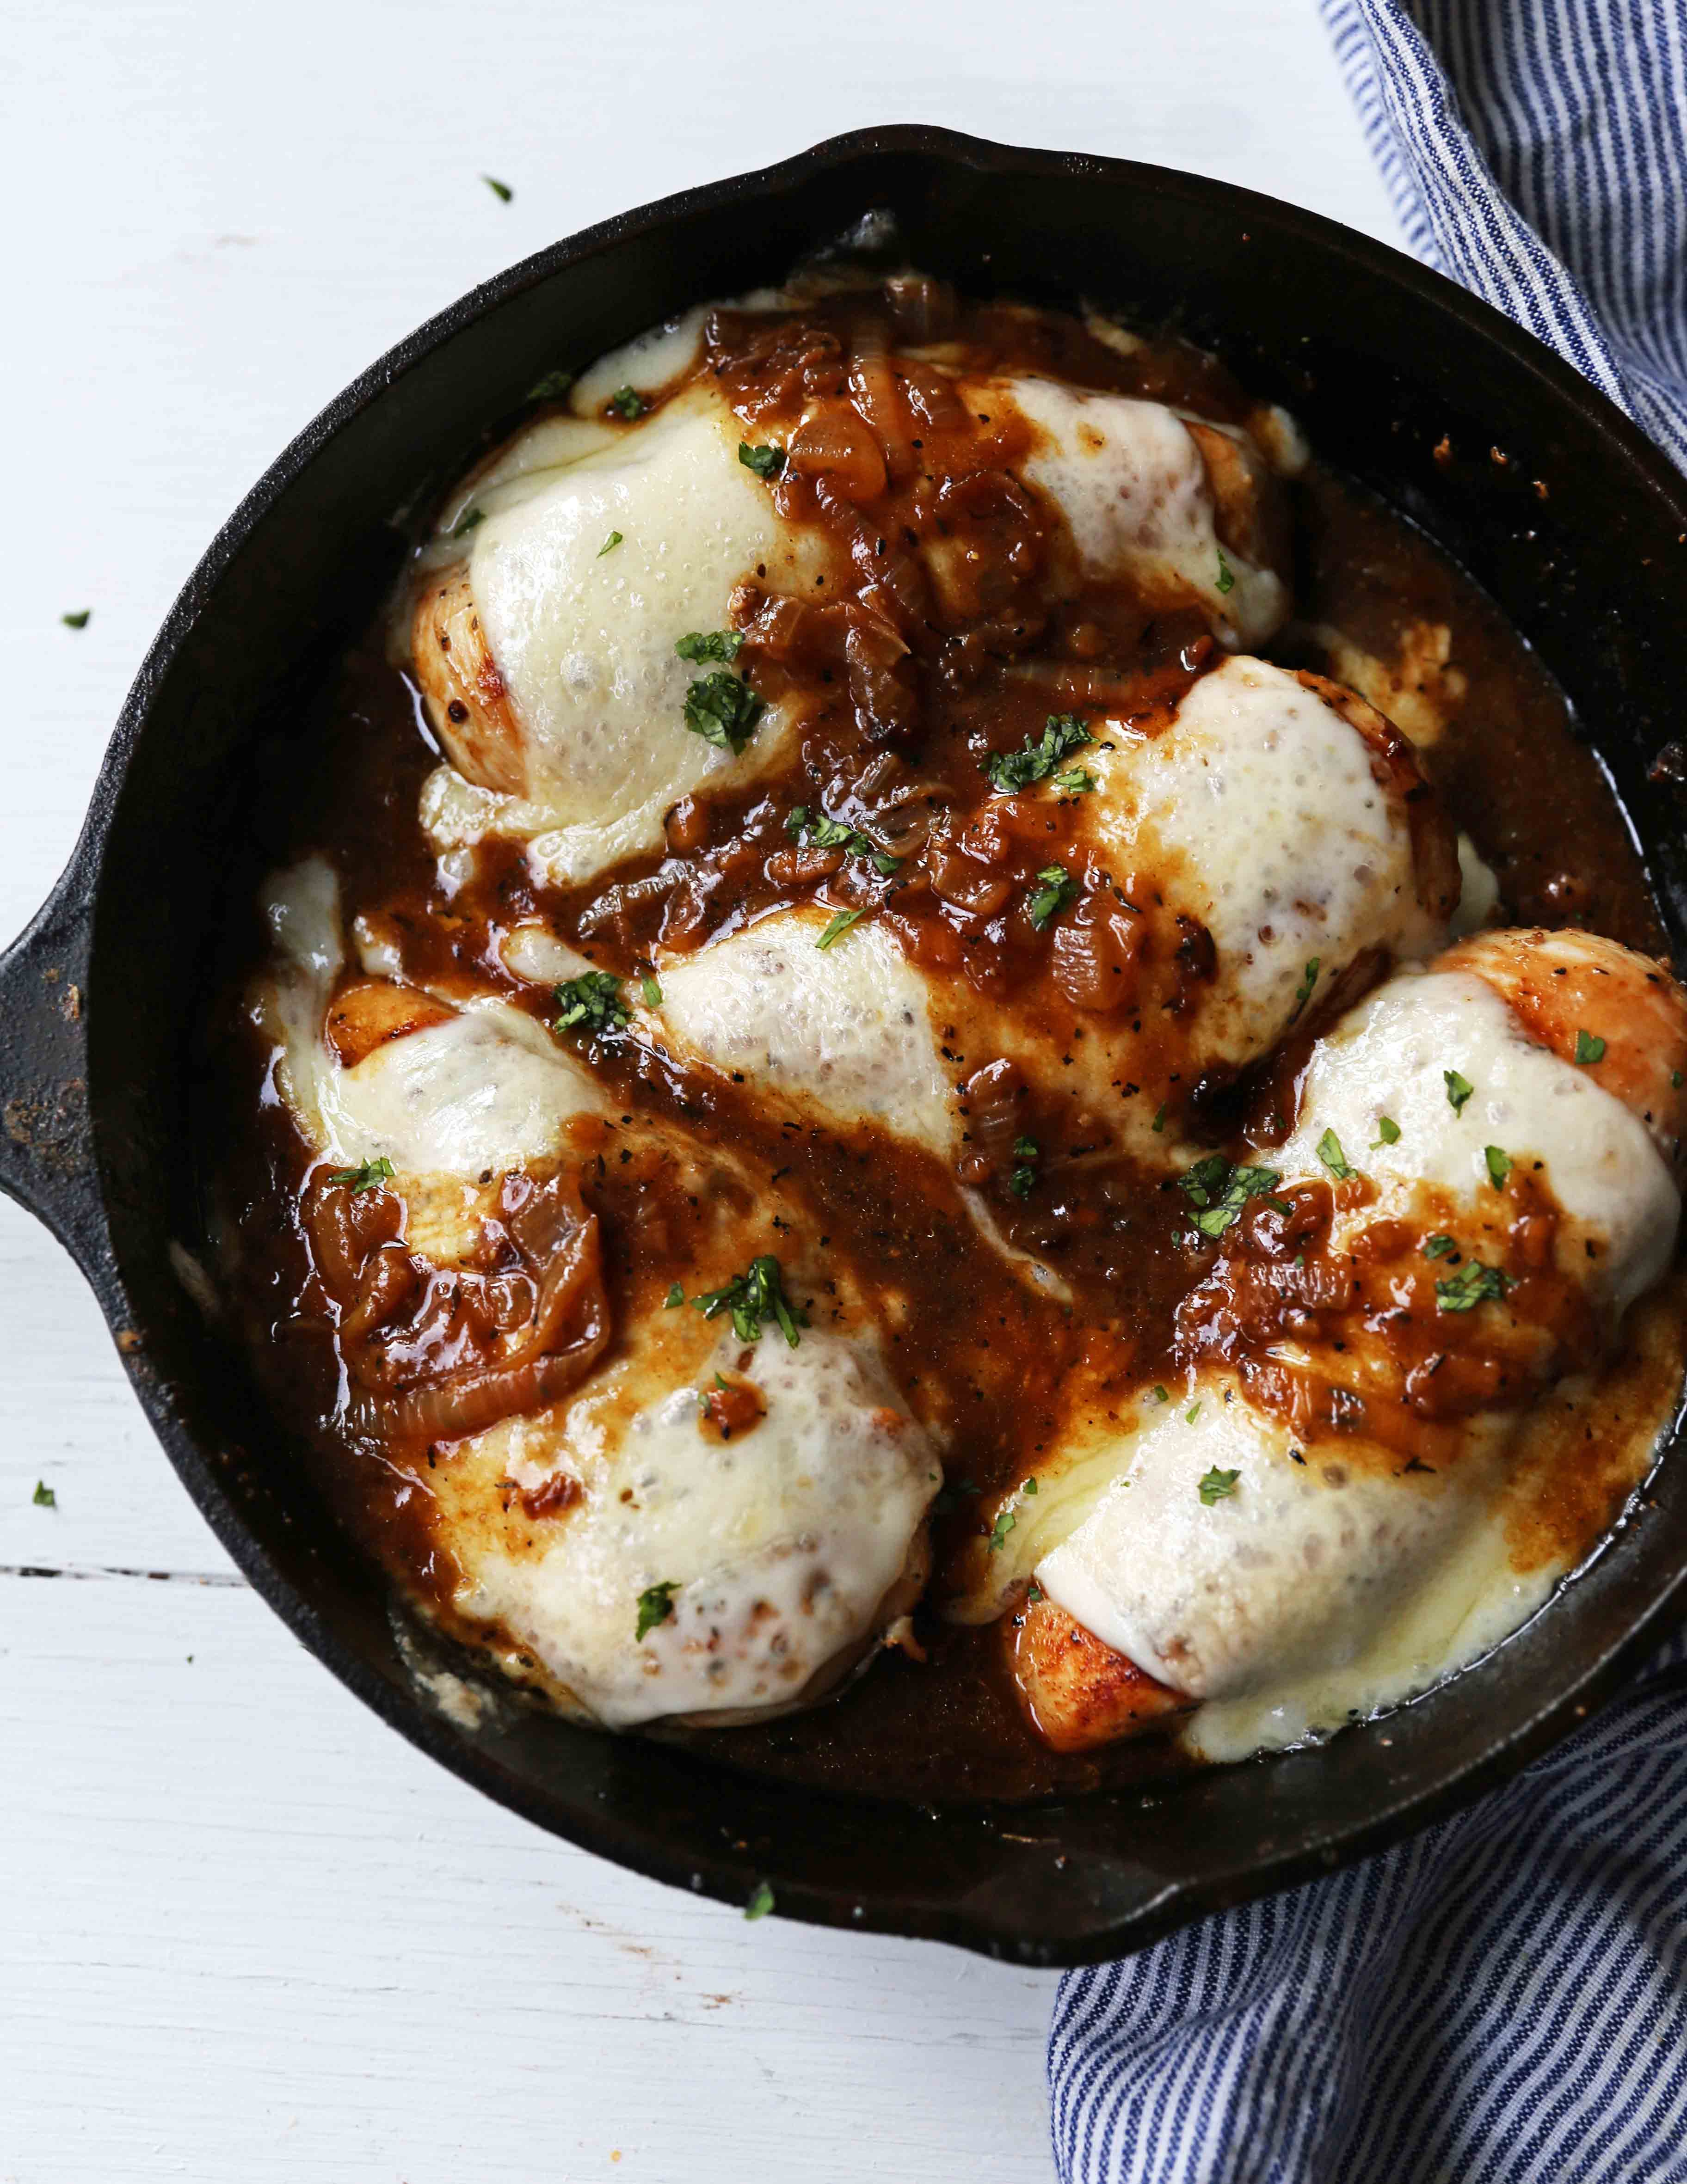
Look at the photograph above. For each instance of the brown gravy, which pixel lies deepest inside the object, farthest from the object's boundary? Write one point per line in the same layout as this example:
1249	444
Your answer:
973	1348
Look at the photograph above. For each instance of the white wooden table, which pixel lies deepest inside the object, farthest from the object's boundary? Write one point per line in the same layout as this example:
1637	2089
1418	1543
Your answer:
245	1931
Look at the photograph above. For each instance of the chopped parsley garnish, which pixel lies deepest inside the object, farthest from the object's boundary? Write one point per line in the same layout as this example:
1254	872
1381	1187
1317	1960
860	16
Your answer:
1192	1414
1220	1190
1029	1486
1675	1078
43	1497
721	644
1159	1122
1474	1284
627	402
757	1294
1459	1089
552	387
1330	1152
766	462
1280	1205
649	988
1589	1049
950	1497
590	1003
656	1605
1033	1593
1059	887
468	521
723	711
1074	782
1388	1132
1226	575
1437	1247
367	1175
1160	1394
1218	1485
1004	1524
609	545
77	621
1499	1165
501	191
1027	1152
1009	771
761	1902
824	833
1302	992
837	927
676	1297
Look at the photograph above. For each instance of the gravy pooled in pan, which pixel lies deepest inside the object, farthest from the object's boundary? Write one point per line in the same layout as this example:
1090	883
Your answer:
931	1000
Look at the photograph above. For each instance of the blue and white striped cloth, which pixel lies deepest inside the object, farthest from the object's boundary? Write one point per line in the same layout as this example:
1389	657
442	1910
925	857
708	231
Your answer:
1502	2000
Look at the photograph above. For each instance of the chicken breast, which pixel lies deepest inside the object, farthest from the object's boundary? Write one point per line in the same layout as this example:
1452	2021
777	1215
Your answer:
1317	1522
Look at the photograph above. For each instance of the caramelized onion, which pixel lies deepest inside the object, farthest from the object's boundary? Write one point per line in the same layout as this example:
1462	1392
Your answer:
835	440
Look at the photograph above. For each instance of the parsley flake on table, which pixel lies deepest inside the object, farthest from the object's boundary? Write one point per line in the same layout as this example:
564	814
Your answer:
627	402
1059	887
367	1175
501	191
761	1902
1330	1152
1474	1284
723	711
43	1497
1220	1190
1589	1049
721	644
1459	1089
755	1295
1499	1165
590	1003
766	462
656	1605
1218	1485
1011	771
77	621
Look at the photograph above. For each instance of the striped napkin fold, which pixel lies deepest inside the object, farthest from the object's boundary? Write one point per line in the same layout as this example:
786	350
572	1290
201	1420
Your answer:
1503	1999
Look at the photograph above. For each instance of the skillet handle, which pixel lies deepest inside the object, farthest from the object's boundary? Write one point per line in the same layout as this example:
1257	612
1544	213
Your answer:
46	1134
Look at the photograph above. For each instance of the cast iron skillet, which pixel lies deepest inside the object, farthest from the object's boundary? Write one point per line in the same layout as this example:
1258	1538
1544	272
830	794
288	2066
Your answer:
1384	363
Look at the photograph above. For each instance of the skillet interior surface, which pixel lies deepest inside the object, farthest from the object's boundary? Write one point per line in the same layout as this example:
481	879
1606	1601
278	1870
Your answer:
1555	505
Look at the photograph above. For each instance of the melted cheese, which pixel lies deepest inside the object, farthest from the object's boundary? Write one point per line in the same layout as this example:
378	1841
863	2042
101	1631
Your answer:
585	639
1297	1571
1129	480
1260	808
782	1545
487	1089
846	1028
1389	1056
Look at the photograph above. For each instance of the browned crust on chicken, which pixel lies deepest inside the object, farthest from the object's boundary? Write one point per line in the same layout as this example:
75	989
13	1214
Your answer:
369	1011
467	700
1077	1693
1570	990
1250	509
